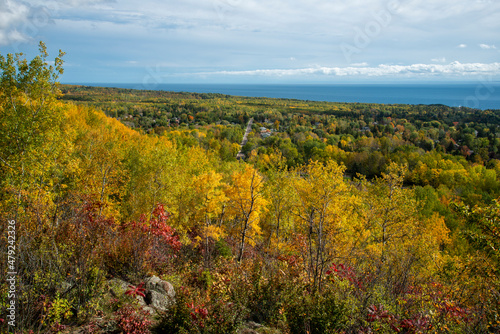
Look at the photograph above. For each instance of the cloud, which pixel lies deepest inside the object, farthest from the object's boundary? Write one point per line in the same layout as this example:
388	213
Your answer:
12	36
213	36
12	15
452	69
487	47
20	21
364	64
78	3
439	60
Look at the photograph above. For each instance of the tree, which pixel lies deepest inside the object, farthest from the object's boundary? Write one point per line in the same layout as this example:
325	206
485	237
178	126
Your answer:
279	192
400	246
29	118
246	205
209	205
322	212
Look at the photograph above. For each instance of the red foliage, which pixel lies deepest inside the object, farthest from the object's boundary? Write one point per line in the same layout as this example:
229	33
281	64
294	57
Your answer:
377	313
136	291
198	311
145	244
198	314
417	323
56	328
446	307
132	321
347	273
157	228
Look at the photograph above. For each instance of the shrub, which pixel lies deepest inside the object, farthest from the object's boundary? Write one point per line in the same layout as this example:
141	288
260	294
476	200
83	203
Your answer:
177	319
223	248
131	320
315	313
203	316
143	246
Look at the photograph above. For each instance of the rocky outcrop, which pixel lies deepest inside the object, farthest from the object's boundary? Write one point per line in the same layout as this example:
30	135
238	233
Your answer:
159	294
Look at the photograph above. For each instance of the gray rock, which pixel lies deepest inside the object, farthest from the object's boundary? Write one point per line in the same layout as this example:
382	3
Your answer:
66	287
158	301
149	310
154	283
253	325
160	294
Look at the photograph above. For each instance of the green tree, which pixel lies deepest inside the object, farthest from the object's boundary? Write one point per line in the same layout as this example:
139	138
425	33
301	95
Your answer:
29	120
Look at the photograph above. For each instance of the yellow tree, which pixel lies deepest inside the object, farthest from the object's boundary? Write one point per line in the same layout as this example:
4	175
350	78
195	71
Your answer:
179	187
278	222
149	163
101	144
161	172
209	204
398	243
246	205
323	211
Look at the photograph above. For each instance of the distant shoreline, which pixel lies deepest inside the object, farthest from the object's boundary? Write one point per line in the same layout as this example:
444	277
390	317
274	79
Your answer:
477	95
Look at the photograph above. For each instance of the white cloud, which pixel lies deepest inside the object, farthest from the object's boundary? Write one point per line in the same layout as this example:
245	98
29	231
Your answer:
419	11
452	69
364	64
67	3
439	60
78	3
12	36
22	20
487	47
13	14
214	35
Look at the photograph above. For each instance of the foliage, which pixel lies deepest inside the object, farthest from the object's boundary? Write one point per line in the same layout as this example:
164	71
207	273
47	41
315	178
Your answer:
315	313
142	246
178	317
291	238
219	316
133	321
246	205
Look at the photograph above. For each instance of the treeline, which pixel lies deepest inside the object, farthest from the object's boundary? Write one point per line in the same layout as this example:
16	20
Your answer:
292	244
441	146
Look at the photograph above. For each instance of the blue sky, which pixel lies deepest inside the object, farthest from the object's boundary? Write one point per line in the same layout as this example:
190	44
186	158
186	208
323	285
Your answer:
242	41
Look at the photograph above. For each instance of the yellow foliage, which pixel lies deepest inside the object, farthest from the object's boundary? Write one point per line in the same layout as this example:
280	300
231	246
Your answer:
210	195
324	213
246	205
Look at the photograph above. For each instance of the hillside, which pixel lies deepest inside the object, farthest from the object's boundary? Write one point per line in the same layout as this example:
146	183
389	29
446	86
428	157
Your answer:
343	218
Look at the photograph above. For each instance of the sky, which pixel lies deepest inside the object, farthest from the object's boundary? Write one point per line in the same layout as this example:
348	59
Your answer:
254	41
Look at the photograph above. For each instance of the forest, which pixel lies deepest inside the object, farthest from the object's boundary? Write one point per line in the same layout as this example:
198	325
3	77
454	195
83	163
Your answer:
340	218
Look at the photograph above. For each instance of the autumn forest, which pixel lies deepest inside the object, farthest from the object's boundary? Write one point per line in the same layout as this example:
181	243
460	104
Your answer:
334	218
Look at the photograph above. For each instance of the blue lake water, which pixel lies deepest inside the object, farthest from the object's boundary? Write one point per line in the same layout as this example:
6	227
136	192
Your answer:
481	95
